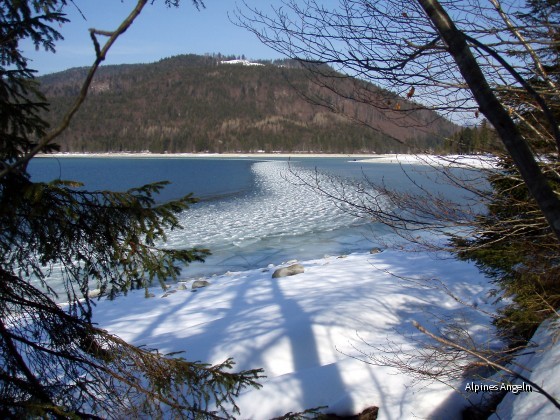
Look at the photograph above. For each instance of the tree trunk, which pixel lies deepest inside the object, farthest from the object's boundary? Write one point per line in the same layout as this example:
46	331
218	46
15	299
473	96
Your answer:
491	107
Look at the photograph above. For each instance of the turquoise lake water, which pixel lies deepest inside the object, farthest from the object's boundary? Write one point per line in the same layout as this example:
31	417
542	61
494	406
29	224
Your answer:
253	212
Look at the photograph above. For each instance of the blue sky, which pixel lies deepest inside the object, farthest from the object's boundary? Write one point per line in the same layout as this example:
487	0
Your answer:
157	33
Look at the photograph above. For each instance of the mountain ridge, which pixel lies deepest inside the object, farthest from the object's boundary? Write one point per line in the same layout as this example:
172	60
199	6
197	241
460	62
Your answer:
194	103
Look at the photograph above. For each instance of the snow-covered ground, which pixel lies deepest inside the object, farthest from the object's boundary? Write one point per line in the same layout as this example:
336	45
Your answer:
472	161
539	364
466	161
309	331
313	332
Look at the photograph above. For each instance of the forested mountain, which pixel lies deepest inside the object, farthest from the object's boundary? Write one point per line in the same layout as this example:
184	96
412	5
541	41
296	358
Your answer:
195	103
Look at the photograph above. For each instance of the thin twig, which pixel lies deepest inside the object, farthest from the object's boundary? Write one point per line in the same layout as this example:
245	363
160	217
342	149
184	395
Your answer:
101	54
487	361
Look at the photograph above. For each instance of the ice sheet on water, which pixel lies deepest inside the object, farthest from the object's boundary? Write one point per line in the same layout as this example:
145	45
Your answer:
277	221
278	207
280	220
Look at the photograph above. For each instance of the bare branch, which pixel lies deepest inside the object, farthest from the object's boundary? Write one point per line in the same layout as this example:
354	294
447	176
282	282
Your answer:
487	362
100	57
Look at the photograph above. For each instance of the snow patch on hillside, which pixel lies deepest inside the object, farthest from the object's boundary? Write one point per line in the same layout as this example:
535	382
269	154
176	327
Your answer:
242	62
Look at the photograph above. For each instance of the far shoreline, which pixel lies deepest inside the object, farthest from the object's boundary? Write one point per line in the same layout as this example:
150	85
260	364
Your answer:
470	161
215	155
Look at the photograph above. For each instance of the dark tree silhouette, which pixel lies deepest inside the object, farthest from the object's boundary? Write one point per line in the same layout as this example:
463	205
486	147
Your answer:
54	362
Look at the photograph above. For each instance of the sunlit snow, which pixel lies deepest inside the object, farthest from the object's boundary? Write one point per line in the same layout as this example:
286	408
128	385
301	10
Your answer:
313	332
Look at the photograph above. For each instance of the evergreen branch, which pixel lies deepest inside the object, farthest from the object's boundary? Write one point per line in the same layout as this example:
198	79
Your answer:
100	57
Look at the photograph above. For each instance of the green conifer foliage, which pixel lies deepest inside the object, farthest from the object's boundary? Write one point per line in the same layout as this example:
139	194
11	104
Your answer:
513	243
515	247
54	362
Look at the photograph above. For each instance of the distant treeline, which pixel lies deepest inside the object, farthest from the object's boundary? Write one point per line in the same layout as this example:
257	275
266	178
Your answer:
194	103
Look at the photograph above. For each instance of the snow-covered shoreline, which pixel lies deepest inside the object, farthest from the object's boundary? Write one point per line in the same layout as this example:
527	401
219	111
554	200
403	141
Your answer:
306	330
309	331
313	334
474	161
466	161
207	155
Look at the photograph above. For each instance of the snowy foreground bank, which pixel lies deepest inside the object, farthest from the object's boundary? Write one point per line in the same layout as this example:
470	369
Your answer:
307	330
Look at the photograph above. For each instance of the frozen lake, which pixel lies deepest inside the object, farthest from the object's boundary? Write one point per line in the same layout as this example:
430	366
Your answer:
253	212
